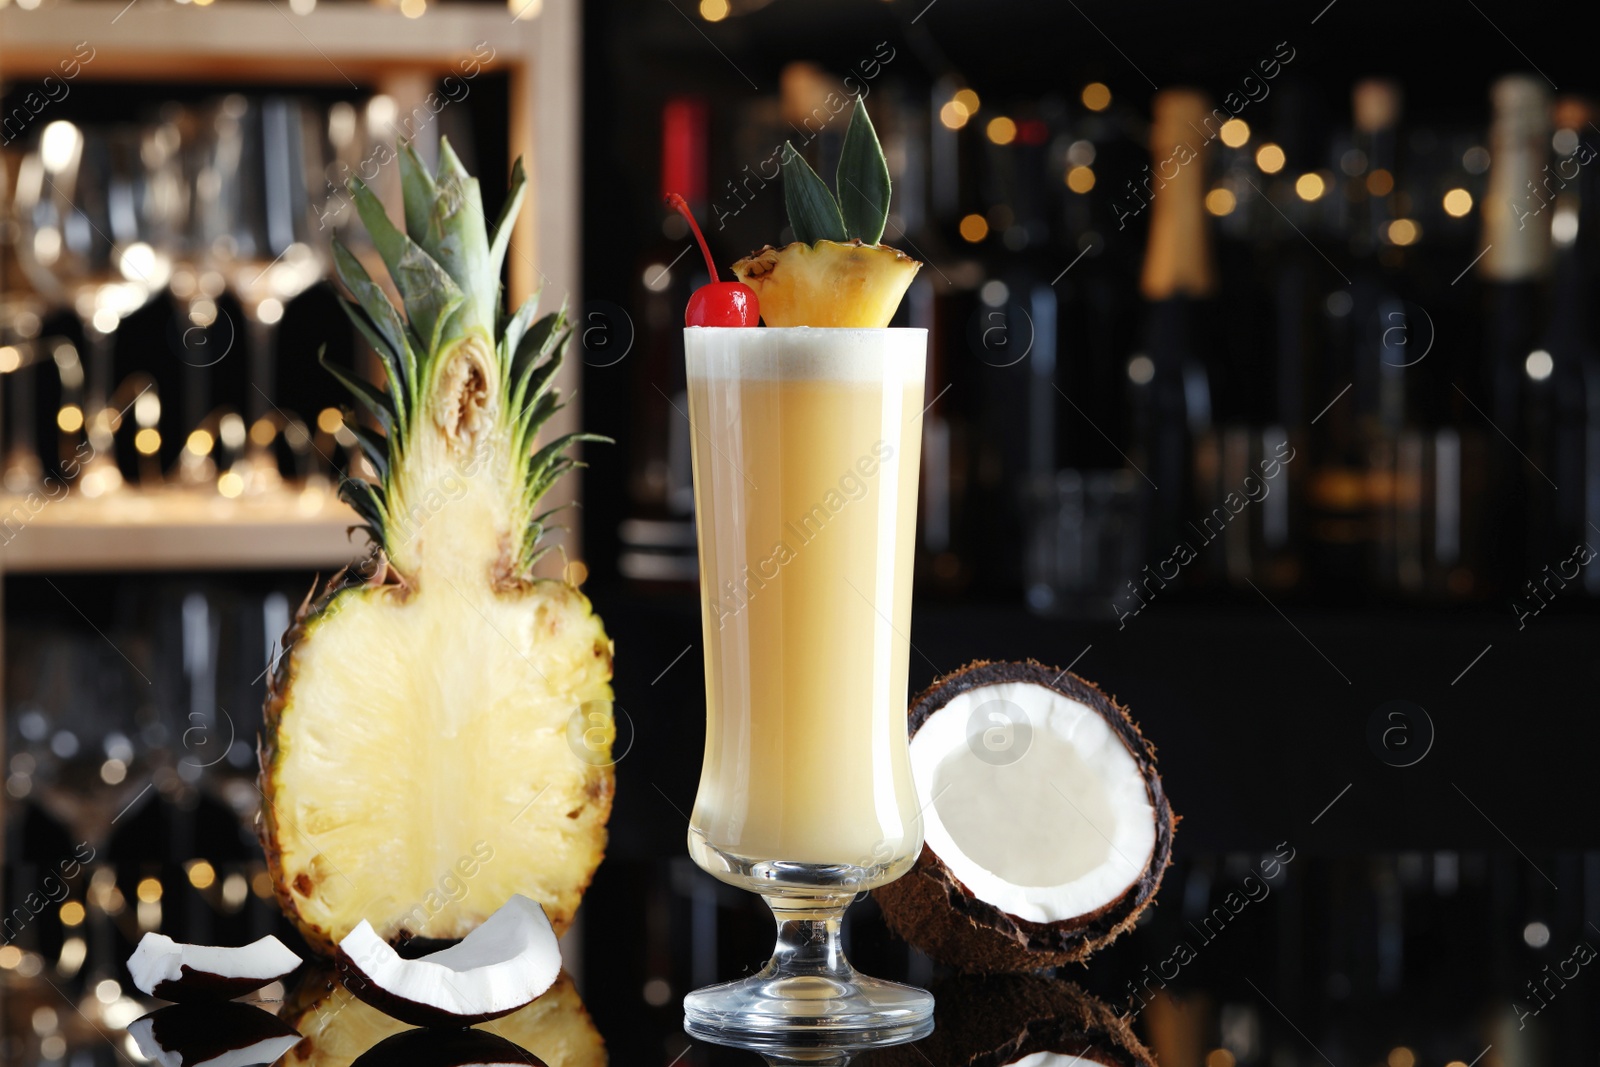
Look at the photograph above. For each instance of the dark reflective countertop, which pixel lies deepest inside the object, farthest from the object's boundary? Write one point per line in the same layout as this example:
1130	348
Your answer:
1401	960
1436	911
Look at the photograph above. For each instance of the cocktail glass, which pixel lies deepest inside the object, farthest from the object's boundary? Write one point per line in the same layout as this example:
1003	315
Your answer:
805	448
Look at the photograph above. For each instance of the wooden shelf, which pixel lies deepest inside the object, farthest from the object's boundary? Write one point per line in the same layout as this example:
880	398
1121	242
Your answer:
366	47
257	40
178	530
360	47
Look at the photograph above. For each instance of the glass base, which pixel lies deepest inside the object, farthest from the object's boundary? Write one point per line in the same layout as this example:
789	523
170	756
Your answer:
869	1010
808	988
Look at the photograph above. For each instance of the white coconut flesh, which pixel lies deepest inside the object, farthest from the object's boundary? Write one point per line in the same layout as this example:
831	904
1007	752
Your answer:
159	959
1054	1059
499	967
1032	801
267	1050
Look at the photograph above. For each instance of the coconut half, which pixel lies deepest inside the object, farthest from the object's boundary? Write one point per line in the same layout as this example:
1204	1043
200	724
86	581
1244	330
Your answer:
1022	1020
188	974
215	1035
1046	828
447	1048
503	965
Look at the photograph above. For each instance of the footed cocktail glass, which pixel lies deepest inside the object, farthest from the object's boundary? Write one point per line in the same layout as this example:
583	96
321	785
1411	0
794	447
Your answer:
805	446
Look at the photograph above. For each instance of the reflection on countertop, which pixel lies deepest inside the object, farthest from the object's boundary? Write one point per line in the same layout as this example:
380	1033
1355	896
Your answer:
981	1022
1403	959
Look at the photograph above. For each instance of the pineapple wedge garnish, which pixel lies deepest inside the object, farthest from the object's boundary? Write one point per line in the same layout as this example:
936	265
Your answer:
828	283
835	273
438	729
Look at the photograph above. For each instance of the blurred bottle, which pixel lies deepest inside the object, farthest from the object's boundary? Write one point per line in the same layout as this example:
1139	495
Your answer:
1353	435
1414	486
1514	269
1171	386
657	538
922	153
1013	338
1563	386
1084	534
1269	224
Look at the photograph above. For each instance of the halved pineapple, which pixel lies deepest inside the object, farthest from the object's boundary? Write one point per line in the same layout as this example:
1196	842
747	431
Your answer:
438	730
828	283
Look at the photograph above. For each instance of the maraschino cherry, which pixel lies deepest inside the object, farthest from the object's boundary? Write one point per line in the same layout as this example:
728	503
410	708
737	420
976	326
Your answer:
720	303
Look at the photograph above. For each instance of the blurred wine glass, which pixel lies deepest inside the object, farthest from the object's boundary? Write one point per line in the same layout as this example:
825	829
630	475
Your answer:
78	699
20	349
205	333
21	321
254	204
94	228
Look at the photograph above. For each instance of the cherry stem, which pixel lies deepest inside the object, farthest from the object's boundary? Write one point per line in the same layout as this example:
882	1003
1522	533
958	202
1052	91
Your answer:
681	205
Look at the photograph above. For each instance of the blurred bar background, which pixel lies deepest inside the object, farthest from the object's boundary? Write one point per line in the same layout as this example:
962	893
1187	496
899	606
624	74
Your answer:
1264	392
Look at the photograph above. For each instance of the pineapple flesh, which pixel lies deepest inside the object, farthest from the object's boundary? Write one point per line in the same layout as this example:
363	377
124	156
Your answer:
438	728
828	283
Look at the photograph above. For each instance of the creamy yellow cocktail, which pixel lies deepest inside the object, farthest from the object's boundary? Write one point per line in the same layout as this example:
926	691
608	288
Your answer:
805	469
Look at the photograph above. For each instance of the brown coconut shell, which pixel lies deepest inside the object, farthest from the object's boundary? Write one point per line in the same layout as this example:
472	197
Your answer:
996	1020
931	909
203	987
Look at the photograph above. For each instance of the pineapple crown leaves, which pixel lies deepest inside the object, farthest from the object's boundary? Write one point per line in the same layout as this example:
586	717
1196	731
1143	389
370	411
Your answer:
862	207
446	266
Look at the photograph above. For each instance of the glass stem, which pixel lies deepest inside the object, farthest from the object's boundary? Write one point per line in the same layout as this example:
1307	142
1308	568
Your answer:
96	416
263	366
24	424
263	373
809	941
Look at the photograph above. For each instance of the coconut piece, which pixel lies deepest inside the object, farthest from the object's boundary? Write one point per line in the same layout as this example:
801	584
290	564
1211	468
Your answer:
189	974
1021	1020
447	1048
501	966
1046	826
213	1035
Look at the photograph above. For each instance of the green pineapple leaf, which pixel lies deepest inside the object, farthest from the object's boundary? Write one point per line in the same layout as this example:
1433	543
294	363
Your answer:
538	343
457	238
863	179
379	323
516	326
417	191
501	234
431	296
373	445
813	213
375	400
367	501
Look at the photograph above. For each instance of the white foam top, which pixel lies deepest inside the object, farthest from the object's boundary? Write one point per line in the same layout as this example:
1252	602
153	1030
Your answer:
762	353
